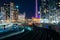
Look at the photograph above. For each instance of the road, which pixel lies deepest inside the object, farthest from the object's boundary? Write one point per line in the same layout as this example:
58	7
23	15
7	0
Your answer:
36	34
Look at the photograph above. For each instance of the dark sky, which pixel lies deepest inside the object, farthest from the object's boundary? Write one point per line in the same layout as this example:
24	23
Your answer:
27	6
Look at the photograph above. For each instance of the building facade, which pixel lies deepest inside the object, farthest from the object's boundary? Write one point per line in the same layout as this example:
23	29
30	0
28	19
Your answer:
50	9
21	17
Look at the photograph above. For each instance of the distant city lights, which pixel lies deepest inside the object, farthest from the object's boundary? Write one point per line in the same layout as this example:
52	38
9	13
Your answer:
59	3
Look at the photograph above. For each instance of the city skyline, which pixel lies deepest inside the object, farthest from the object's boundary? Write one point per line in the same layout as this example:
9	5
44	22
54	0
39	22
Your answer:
27	6
11	13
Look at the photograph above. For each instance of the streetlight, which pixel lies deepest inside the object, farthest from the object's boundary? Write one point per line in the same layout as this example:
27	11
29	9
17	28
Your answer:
17	6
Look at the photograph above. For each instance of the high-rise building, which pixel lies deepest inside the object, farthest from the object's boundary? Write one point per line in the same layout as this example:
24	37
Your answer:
3	14
44	8
13	13
50	9
36	13
7	10
9	13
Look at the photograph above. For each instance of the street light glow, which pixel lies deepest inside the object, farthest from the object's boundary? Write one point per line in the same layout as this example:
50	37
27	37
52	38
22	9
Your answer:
59	3
17	6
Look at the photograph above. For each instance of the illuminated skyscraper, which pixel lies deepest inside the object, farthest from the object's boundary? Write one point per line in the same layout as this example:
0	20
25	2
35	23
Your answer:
13	13
36	13
43	8
37	17
7	9
50	9
3	14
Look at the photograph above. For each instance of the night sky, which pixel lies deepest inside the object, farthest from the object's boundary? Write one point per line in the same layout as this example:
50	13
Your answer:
27	6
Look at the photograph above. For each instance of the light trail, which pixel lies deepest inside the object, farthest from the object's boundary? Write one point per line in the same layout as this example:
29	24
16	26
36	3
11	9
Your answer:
12	34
